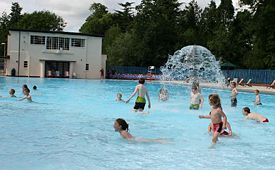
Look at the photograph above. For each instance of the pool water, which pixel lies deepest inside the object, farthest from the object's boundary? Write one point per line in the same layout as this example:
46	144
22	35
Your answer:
70	126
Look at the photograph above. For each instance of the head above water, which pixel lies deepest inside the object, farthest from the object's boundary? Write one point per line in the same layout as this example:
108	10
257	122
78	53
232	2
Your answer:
34	87
234	84
257	91
26	91
246	110
121	124
12	91
141	81
119	95
214	100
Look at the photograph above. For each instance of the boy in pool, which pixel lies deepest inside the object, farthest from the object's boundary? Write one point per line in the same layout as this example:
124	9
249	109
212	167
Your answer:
140	101
196	99
234	93
258	98
27	95
254	116
119	97
218	124
12	92
34	87
122	127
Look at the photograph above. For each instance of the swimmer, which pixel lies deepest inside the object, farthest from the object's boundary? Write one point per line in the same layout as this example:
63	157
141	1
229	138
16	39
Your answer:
122	127
119	97
196	99
12	92
258	98
163	94
142	92
234	93
27	96
34	87
24	87
254	116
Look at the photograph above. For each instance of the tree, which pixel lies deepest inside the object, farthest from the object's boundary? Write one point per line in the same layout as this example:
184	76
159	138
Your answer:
15	15
125	17
41	20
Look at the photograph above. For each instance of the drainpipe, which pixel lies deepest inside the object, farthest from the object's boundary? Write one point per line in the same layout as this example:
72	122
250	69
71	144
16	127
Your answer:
19	51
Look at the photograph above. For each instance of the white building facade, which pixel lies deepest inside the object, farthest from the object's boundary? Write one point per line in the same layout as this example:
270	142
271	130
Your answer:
54	54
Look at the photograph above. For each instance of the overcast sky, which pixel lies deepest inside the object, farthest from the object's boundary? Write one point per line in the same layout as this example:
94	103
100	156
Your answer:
74	12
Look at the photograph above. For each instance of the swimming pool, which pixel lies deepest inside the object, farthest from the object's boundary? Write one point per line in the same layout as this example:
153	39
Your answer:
70	126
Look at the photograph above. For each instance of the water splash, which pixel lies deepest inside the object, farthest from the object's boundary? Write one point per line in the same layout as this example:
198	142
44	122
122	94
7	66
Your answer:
193	63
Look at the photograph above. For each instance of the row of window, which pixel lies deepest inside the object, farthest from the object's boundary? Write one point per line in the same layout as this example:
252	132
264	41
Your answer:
26	65
54	43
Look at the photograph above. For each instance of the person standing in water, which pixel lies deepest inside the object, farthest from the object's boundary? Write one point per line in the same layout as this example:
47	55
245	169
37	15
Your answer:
234	93
142	92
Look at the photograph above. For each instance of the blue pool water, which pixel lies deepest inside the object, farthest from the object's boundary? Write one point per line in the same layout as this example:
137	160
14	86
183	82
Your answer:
70	126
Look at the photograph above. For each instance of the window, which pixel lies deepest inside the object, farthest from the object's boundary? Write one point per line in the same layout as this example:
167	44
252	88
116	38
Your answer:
87	66
37	39
78	42
25	64
57	43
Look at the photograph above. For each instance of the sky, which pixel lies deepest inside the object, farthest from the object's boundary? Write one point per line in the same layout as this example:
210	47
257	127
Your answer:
75	12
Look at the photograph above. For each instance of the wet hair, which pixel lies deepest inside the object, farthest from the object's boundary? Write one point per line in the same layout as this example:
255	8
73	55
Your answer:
12	91
27	90
124	125
214	100
246	109
34	87
119	94
257	91
25	86
195	87
141	81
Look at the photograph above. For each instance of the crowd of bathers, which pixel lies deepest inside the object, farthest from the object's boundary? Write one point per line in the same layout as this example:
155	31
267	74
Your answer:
219	125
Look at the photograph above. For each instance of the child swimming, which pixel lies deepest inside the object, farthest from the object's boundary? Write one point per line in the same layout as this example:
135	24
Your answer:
196	99
140	101
121	126
254	116
119	97
12	92
27	96
163	94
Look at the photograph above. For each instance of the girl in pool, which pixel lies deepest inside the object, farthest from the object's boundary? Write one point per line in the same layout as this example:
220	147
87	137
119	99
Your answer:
119	97
163	94
122	127
27	96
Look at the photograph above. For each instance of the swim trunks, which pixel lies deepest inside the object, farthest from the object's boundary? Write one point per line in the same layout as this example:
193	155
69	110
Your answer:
233	102
194	106
140	103
266	120
217	127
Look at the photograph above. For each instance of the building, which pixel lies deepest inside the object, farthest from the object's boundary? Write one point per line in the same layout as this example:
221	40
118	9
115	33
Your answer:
54	54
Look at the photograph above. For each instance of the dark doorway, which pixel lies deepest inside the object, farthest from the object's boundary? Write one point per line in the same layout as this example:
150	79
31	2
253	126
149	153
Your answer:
13	72
58	69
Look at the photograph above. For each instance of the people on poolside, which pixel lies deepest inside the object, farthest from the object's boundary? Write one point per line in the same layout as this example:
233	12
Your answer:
217	116
142	92
163	94
12	92
254	116
34	87
258	98
119	97
196	101
121	126
27	96
234	93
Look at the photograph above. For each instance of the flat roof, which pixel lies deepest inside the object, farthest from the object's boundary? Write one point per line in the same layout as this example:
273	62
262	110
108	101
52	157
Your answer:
57	32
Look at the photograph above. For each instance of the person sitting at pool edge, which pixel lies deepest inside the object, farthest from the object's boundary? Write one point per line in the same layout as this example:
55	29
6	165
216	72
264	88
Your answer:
196	99
140	101
254	116
12	92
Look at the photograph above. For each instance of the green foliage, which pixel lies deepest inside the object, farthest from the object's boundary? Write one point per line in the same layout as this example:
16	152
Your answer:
41	20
